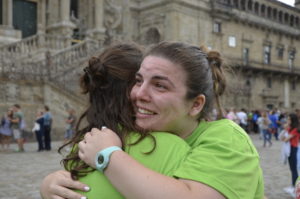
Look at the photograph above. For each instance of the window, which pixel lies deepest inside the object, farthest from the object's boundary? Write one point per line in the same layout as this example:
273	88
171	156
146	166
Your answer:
280	51
217	27
293	85
25	17
291	59
1	12
269	82
246	56
248	83
267	54
231	41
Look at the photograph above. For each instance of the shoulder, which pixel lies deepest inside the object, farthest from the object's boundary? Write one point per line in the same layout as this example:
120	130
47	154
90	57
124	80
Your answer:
226	134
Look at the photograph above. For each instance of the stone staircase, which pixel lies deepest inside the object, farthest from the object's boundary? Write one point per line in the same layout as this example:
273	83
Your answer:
46	58
44	69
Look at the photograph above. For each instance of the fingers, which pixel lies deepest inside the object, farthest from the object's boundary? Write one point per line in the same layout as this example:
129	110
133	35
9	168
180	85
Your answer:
95	130
66	193
87	136
74	184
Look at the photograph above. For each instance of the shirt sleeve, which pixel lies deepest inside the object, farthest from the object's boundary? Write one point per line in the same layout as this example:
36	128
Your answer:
225	160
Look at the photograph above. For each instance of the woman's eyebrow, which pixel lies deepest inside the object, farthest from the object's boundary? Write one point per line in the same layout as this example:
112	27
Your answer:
164	78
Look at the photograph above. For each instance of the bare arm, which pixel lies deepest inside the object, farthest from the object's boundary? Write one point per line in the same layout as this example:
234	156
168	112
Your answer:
134	180
286	139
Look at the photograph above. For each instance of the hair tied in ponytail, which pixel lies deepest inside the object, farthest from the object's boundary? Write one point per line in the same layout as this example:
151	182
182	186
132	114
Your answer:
214	59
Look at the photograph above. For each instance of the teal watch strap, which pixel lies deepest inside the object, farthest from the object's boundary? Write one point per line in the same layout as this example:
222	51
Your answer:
103	156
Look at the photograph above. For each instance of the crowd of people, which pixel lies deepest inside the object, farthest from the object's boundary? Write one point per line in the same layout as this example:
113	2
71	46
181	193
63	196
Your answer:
13	128
280	125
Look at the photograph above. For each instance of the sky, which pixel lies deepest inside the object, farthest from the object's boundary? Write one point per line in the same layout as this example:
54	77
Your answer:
290	2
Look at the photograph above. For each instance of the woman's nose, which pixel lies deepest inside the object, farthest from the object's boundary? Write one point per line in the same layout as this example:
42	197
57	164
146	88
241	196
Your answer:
142	92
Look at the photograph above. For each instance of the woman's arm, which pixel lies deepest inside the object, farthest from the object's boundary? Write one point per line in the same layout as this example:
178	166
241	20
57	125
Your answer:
59	185
134	180
286	139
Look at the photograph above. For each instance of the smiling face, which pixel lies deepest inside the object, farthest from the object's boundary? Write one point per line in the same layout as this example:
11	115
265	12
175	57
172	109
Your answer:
159	97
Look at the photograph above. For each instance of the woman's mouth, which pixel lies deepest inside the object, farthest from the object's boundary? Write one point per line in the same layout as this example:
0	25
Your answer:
145	111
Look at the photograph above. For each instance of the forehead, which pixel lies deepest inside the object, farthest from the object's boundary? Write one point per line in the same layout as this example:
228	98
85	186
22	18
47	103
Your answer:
161	66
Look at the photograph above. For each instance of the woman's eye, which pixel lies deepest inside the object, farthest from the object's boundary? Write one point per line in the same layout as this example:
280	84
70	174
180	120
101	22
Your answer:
138	81
161	86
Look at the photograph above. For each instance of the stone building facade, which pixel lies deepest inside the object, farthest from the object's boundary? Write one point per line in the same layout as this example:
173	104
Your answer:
45	43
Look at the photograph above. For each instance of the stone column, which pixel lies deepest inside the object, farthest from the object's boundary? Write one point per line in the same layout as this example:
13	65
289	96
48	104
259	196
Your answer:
7	32
64	27
97	30
7	13
65	10
286	93
41	16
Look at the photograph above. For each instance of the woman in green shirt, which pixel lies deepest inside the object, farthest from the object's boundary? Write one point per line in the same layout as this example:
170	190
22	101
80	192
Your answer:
174	92
107	80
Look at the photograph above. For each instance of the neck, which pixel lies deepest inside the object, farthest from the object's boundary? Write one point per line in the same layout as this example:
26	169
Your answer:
189	130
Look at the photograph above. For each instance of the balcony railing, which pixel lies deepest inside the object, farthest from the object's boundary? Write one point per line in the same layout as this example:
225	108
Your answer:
259	65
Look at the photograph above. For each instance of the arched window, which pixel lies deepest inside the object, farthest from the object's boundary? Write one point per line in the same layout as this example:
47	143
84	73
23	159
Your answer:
250	4
263	10
256	8
275	14
1	12
236	3
269	12
152	36
292	20
280	16
297	22
286	18
243	5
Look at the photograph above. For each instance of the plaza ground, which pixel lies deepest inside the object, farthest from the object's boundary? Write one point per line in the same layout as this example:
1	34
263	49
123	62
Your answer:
22	173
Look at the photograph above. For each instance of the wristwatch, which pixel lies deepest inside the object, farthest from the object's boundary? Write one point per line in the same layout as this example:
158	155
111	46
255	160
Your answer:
103	156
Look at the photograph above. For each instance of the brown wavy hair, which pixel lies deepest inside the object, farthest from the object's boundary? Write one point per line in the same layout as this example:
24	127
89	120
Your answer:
107	80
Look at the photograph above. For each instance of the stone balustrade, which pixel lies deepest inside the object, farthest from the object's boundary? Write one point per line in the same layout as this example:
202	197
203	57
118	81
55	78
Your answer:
60	68
29	46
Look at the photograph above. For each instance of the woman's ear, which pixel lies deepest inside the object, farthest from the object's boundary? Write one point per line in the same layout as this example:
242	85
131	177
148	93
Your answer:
198	105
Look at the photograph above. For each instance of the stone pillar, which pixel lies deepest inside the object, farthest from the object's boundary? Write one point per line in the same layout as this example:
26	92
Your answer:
64	27
286	93
97	30
41	16
65	10
7	32
7	13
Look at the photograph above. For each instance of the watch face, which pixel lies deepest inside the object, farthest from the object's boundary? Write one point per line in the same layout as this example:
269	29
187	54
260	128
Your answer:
100	159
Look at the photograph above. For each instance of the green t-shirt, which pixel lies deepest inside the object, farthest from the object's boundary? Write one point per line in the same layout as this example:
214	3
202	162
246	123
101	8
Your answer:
16	115
168	155
223	157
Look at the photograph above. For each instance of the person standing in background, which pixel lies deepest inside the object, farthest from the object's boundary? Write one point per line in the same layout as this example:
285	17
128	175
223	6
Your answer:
47	128
16	126
274	119
264	127
242	118
293	138
39	130
5	130
70	128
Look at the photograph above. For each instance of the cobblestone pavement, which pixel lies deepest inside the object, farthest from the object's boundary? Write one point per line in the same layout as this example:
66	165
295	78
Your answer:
22	173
